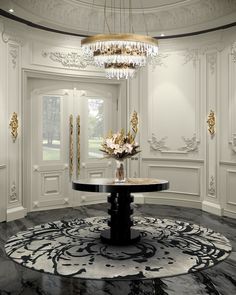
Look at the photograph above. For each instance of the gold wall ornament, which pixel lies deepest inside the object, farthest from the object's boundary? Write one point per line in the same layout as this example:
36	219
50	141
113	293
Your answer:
78	144
211	122
71	143
14	126
134	122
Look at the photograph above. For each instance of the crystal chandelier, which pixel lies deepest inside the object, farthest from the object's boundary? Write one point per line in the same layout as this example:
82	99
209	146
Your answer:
120	55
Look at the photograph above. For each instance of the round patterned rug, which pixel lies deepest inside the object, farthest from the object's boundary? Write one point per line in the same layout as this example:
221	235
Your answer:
73	248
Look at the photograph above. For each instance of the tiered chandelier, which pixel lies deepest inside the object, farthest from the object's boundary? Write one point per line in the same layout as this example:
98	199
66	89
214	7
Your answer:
122	54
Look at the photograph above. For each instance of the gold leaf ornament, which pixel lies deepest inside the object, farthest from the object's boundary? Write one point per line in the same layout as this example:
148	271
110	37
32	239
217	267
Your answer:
14	124
211	122
134	122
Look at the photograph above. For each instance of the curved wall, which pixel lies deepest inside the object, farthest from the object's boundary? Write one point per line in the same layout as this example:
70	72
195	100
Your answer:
191	77
174	97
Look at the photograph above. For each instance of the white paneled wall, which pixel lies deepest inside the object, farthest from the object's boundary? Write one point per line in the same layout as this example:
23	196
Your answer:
3	132
191	78
173	98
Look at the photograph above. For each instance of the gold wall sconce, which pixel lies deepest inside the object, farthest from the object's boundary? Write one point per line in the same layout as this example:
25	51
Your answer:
14	124
211	123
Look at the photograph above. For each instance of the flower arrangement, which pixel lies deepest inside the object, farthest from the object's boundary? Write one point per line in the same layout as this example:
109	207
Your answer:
119	145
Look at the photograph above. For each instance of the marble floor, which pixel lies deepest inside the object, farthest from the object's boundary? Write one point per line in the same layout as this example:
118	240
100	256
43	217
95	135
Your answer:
218	280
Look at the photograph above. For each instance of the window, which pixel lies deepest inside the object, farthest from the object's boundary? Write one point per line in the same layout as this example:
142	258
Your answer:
95	127
51	128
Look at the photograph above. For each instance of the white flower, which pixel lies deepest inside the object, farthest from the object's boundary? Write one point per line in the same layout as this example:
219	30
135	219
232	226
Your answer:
118	150
128	148
110	144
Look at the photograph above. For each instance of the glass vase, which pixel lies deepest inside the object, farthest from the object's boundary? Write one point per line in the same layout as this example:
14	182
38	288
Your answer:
120	171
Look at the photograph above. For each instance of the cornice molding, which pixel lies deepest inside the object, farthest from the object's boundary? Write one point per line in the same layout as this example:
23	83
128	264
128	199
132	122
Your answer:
184	16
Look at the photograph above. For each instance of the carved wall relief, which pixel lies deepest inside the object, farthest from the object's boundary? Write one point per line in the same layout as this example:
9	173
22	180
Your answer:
212	186
233	51
159	60
233	143
211	60
13	193
158	145
191	144
14	54
73	59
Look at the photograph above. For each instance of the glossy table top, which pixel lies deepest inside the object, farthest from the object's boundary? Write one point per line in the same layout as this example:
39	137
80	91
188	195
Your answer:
130	185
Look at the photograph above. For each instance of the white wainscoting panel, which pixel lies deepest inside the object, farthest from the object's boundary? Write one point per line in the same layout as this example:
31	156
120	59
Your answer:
51	184
231	187
184	180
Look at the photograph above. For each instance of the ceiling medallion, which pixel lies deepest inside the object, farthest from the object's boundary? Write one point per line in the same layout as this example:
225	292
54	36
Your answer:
120	54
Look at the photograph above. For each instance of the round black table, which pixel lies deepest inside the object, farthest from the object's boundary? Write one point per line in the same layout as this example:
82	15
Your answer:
120	198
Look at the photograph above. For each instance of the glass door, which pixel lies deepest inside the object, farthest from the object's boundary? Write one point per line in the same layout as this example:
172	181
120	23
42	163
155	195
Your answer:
68	123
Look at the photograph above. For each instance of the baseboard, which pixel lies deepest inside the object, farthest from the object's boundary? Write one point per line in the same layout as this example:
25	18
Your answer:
173	202
212	208
16	213
229	213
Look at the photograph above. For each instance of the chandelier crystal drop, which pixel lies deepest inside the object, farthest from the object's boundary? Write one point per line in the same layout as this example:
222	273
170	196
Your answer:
120	54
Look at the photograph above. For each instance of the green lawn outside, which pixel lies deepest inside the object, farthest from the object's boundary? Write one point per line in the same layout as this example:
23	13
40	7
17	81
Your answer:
50	154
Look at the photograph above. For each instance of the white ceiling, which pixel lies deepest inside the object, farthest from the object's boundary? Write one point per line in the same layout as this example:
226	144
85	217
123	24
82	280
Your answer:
155	16
135	4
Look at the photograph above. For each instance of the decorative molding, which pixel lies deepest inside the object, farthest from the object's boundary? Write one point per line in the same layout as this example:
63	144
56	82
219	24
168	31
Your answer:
211	123
197	177
158	145
69	60
14	55
212	186
192	55
233	51
188	160
36	204
233	142
191	144
13	193
212	61
182	14
228	189
159	60
14	126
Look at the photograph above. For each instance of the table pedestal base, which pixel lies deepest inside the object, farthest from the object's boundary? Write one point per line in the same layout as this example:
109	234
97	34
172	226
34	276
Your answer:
106	238
120	223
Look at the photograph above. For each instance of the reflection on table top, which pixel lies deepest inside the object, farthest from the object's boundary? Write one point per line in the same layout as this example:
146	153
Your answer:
130	185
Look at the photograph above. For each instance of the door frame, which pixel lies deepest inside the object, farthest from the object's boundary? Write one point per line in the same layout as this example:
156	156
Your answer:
123	98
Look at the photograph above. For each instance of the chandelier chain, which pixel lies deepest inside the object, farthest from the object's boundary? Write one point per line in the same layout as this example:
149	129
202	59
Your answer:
105	17
90	17
144	18
120	54
120	16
